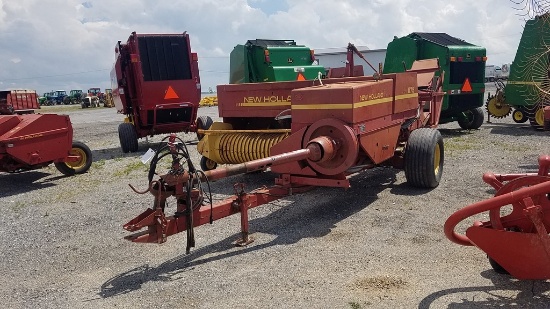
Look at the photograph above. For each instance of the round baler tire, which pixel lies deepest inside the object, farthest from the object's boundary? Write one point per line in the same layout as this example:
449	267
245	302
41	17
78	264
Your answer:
474	119
79	167
424	156
128	137
204	123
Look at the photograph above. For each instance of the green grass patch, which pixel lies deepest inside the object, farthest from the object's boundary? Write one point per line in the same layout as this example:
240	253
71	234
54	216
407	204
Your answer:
132	167
458	144
17	206
98	164
354	305
510	147
58	108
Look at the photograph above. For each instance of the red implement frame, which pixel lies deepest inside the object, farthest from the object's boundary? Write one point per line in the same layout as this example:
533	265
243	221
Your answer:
519	241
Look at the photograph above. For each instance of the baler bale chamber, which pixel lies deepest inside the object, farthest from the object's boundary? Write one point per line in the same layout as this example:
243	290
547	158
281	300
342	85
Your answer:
336	130
156	85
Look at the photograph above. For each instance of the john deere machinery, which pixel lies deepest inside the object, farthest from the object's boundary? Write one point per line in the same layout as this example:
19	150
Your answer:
463	65
75	97
272	60
528	88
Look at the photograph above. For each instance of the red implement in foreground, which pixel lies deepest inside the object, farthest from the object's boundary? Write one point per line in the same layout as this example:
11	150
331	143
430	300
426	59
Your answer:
517	242
337	130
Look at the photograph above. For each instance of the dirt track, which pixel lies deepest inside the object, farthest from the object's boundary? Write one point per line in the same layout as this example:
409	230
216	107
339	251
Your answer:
379	244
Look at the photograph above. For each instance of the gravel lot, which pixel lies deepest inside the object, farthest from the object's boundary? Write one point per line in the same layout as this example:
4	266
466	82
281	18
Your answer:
379	244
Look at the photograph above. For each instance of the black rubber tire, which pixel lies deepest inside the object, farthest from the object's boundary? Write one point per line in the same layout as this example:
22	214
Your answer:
534	124
128	137
497	268
207	164
203	122
516	118
423	152
474	119
84	165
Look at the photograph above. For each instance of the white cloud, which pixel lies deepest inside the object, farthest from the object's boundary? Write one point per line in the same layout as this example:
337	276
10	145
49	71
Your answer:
55	38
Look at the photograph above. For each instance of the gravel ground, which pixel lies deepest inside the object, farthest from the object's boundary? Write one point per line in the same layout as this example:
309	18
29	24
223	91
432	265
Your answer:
379	244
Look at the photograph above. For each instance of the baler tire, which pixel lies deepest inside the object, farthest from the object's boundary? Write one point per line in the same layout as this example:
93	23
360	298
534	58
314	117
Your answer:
128	137
424	156
474	119
497	267
207	164
204	123
79	167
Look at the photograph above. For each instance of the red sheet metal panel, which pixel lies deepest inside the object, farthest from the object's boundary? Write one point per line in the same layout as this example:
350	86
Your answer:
257	100
36	138
265	99
20	99
406	92
380	145
351	102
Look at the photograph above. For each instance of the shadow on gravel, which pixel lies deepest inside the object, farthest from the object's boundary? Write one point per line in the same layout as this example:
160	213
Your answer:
116	152
530	294
514	129
113	153
309	215
17	183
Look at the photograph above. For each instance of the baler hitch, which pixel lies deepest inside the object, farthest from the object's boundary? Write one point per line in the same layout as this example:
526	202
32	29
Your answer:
194	203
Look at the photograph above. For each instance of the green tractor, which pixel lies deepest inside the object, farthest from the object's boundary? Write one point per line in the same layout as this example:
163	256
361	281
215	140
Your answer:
74	97
527	90
463	65
43	100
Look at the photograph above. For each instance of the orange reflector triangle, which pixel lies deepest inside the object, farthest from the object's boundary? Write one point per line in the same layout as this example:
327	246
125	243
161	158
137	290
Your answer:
300	76
467	87
170	94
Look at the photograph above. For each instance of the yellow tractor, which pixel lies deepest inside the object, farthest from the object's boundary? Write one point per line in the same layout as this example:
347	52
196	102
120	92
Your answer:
108	102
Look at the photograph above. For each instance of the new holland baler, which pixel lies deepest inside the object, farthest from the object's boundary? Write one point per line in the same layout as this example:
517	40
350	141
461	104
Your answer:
156	85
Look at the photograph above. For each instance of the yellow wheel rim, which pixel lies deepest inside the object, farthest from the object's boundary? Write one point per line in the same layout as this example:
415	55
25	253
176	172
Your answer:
437	159
81	162
210	164
539	117
518	115
498	109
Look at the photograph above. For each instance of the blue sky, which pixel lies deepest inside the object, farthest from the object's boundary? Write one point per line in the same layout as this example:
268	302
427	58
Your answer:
69	44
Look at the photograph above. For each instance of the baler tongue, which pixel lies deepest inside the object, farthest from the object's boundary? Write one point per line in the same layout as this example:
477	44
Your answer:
156	223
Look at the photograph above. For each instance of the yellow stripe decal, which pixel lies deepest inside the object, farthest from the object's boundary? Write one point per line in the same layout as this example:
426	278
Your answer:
355	105
256	104
372	102
524	83
323	106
